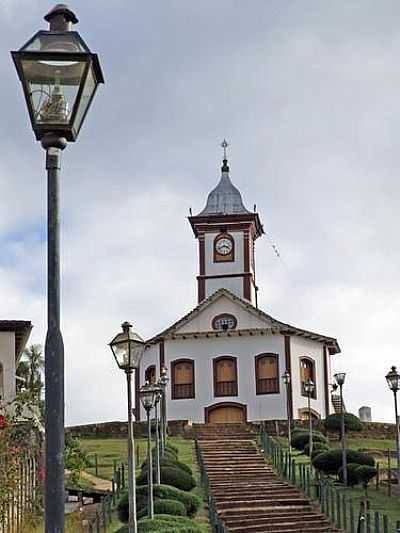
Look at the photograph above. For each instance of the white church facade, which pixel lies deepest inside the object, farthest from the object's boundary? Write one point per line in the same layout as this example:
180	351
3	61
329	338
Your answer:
226	357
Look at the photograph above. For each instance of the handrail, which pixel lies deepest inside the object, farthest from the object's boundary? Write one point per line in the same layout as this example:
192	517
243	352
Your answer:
217	525
334	504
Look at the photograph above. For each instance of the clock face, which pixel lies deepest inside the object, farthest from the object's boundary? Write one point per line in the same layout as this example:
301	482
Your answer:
223	246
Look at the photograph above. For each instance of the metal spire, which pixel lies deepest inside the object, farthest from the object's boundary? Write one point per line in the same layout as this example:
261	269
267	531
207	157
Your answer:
225	167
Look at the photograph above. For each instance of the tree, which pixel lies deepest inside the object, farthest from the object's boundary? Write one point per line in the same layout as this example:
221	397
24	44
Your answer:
30	370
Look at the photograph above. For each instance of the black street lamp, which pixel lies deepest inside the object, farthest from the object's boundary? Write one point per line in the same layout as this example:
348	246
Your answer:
156	403
393	381
128	348
148	394
286	382
339	378
309	388
59	76
163	382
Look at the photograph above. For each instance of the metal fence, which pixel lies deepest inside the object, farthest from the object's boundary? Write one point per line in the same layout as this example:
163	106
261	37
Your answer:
345	513
217	525
103	516
19	501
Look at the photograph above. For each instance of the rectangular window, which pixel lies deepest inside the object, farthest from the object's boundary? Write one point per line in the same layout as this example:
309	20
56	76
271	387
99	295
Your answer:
182	372
267	374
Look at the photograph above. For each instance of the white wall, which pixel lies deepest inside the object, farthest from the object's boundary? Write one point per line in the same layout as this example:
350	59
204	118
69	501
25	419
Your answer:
202	322
203	351
301	347
235	285
7	360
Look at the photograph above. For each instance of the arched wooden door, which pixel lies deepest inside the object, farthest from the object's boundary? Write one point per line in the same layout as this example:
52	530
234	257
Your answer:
226	413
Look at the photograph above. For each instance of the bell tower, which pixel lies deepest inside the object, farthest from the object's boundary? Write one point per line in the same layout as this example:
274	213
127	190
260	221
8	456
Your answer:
226	232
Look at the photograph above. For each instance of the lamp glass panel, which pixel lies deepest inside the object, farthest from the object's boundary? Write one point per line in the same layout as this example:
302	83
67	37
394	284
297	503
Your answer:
52	87
86	97
121	354
56	42
393	380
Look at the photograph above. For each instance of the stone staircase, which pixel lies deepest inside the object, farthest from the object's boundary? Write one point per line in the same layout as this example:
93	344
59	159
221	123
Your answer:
249	495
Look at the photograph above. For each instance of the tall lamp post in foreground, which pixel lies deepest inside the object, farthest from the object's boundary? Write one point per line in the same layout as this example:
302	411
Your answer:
286	381
157	428
309	388
59	76
339	378
163	382
393	380
128	348
148	394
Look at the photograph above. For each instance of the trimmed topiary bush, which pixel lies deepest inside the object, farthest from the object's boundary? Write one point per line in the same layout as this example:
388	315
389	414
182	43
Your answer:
170	507
168	524
330	462
351	423
317	447
365	473
300	439
172	448
352	475
171	476
167	461
191	502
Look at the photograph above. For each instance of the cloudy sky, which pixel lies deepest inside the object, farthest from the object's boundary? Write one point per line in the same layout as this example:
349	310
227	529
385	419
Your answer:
307	94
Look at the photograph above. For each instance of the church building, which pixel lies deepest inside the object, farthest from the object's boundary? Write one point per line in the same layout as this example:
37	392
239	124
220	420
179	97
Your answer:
225	358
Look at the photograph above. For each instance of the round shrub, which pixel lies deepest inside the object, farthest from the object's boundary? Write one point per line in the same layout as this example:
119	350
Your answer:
317	447
171	476
352	474
170	507
365	474
168	524
172	448
300	439
166	461
330	462
351	422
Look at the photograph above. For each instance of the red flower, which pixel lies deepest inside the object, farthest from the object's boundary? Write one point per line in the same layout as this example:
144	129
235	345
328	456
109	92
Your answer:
3	422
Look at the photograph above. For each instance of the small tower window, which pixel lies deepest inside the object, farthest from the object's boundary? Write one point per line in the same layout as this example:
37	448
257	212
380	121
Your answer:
224	322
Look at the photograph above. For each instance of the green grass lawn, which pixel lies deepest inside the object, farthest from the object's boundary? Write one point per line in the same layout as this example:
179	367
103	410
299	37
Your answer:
110	450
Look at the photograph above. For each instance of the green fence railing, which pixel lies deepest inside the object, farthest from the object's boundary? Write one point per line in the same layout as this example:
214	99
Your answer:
217	525
343	511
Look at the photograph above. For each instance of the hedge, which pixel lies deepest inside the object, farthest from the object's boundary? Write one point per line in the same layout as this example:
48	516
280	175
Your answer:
191	502
171	475
167	524
352	475
351	422
167	461
365	473
170	507
317	446
330	462
301	438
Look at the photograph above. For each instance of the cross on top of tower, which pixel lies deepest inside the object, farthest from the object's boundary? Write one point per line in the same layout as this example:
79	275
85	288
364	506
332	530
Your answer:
225	145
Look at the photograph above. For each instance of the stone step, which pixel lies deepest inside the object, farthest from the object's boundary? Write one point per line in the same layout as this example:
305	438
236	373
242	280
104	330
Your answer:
284	522
258	502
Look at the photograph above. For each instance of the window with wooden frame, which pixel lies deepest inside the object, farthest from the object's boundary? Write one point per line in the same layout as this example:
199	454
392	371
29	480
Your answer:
225	376
307	371
150	374
267	373
182	379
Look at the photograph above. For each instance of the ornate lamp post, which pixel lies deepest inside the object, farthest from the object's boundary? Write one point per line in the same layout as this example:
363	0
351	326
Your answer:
339	378
163	382
156	403
393	381
309	388
59	76
148	394
128	348
286	381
